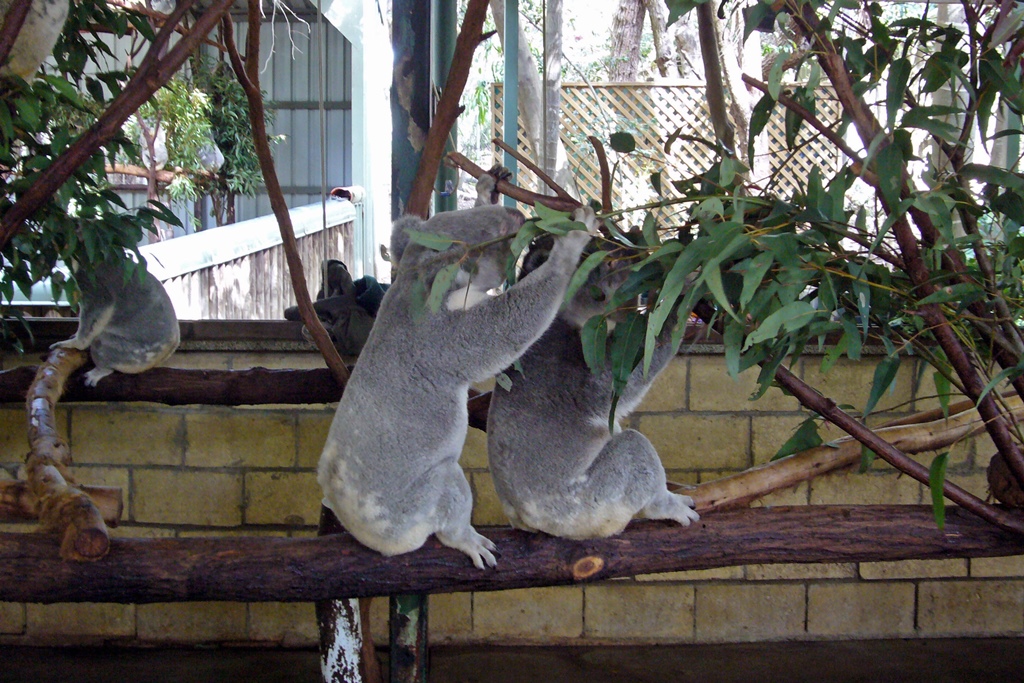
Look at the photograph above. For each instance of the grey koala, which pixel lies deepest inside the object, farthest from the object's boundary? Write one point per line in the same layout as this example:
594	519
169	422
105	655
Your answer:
556	466
126	322
389	469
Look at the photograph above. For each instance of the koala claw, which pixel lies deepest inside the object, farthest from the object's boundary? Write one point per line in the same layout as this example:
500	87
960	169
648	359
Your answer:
486	185
477	546
73	343
95	375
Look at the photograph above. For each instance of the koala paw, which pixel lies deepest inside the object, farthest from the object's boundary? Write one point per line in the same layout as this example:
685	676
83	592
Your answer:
95	375
477	546
586	215
672	506
486	185
73	343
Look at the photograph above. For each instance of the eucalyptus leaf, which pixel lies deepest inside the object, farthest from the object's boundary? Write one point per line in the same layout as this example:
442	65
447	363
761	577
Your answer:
936	482
442	283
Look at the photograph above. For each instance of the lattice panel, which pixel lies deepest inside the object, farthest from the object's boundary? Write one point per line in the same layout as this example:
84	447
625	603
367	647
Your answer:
652	113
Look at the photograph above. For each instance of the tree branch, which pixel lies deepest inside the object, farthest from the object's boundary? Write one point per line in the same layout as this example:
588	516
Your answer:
13	21
248	76
152	74
244	569
448	110
514	191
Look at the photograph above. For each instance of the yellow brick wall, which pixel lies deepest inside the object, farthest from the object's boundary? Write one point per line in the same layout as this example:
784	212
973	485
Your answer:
208	471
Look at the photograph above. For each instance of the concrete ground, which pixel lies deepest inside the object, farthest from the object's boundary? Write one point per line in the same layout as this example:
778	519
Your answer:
989	660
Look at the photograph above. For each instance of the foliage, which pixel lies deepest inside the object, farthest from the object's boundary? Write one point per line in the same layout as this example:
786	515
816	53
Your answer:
930	265
85	221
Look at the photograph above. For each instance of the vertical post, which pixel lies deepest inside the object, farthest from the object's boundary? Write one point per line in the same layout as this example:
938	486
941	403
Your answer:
443	34
340	626
510	93
411	102
408	630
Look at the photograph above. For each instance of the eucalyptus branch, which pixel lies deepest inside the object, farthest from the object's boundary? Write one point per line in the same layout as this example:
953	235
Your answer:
152	74
606	176
514	191
248	76
867	126
534	168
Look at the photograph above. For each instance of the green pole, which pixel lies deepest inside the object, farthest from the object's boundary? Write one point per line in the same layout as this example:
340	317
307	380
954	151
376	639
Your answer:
444	31
510	93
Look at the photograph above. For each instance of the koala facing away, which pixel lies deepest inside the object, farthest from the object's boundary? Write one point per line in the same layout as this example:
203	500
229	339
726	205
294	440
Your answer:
556	466
126	322
389	469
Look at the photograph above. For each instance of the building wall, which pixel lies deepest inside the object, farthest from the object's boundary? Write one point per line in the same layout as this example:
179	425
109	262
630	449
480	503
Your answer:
211	471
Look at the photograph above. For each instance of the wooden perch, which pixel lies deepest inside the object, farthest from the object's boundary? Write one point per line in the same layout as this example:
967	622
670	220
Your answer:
261	569
18	504
741	489
63	508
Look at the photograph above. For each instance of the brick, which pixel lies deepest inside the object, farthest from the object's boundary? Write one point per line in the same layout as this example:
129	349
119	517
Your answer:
12	618
487	510
668	393
540	615
913	569
699	441
767	434
313	428
861	610
229	438
127	437
716	574
800	572
960	608
379	620
192	622
288	624
291	498
735	613
187	497
997	566
474	451
104	476
849	383
80	619
648	612
712	389
852	488
13	434
973	483
450	617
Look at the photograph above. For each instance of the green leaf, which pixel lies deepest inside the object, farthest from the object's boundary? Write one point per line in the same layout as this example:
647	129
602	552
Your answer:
627	343
775	75
753	275
896	88
890	174
867	458
759	118
622	142
805	437
581	274
650	231
885	375
943	389
442	283
594	338
936	479
1007	373
430	240
994	176
792	316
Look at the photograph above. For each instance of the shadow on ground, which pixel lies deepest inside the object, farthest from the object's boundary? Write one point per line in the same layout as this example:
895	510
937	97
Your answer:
991	660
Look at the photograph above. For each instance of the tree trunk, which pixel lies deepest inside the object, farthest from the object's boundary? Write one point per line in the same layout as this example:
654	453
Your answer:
627	29
240	569
664	54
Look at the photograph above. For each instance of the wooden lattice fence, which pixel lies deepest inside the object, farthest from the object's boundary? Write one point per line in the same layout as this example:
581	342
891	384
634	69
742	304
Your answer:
653	112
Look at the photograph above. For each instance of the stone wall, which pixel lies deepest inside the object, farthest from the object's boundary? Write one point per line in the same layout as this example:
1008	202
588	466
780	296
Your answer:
208	471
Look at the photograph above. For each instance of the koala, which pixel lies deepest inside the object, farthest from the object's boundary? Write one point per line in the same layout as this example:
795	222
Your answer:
389	469
126	322
556	466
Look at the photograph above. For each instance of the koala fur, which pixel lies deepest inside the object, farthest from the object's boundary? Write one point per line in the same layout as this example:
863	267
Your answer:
126	322
389	469
556	467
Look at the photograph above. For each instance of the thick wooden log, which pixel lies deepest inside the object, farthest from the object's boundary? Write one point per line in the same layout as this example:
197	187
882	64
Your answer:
310	569
18	504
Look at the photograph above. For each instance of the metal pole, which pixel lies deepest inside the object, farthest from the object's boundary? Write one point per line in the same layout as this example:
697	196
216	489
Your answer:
444	31
510	93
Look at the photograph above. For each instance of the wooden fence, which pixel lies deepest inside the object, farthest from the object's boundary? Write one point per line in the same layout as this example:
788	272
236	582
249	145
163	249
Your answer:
238	272
652	112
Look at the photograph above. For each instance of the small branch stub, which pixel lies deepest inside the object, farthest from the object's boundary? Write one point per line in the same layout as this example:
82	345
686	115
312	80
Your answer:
587	567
